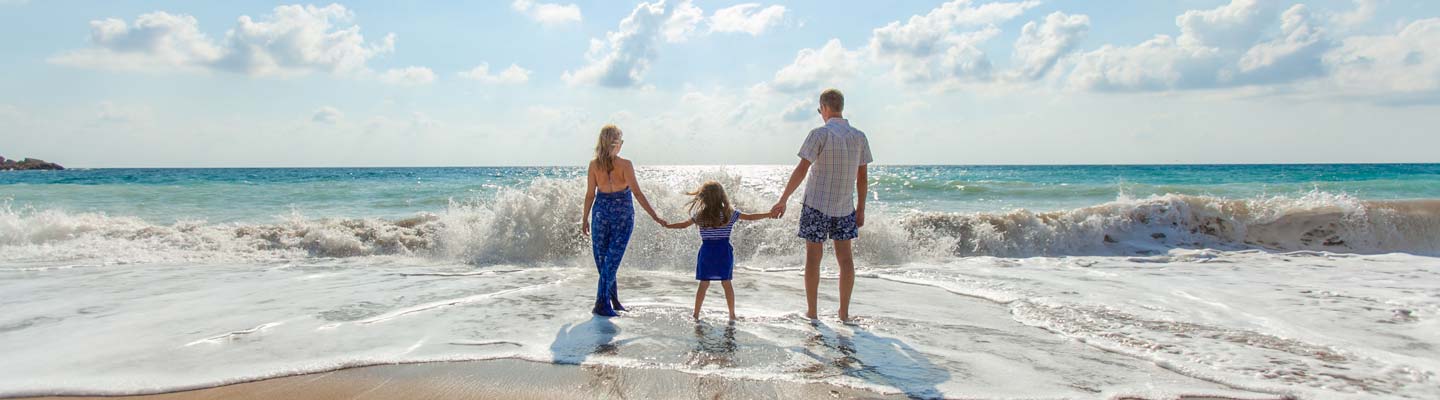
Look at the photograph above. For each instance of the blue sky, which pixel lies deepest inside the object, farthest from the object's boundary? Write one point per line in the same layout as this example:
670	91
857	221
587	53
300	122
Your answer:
399	83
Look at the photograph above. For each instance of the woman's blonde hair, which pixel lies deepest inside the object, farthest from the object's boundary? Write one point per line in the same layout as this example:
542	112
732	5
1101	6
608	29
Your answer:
711	207
604	157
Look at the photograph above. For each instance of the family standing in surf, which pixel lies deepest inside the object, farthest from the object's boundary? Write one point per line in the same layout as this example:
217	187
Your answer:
834	158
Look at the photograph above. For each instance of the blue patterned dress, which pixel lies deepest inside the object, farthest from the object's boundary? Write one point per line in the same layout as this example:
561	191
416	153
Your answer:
612	218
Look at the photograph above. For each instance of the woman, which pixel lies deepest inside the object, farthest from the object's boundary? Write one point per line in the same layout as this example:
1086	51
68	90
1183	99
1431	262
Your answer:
608	185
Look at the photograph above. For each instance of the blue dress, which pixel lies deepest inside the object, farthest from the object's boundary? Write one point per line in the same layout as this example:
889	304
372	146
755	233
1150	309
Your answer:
716	261
611	220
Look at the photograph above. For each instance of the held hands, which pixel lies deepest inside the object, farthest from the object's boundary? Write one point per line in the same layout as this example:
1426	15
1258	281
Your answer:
778	210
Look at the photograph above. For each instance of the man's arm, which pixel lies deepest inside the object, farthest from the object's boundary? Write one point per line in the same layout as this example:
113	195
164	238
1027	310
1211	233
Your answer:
796	177
862	188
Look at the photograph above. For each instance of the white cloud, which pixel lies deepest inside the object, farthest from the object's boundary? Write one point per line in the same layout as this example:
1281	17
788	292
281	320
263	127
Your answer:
1221	47
1405	63
683	21
944	43
801	111
622	59
747	18
624	56
1040	46
813	68
1234	25
293	40
1297	53
512	75
327	115
408	76
548	14
156	40
1364	12
1156	64
299	39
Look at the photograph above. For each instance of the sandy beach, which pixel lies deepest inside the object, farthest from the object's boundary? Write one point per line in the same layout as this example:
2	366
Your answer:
519	379
509	379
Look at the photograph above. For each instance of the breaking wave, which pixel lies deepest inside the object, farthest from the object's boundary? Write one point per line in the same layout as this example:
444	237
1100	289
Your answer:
539	224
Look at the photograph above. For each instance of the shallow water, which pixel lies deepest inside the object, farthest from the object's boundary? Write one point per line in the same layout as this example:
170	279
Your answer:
1239	283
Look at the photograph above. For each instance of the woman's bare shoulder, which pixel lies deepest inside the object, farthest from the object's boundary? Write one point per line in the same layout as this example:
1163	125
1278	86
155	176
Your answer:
624	163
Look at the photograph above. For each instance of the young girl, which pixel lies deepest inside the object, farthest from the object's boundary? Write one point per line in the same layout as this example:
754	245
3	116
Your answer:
712	212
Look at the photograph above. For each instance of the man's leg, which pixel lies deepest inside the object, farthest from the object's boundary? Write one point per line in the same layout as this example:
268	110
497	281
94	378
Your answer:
814	251
846	258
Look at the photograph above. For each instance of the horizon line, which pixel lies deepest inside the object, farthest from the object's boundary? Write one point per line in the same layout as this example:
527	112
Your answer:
770	165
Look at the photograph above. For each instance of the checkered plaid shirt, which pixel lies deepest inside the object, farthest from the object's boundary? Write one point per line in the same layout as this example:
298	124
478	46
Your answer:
835	151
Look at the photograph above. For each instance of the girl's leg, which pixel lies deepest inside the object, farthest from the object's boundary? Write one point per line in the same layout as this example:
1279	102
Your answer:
700	298
729	298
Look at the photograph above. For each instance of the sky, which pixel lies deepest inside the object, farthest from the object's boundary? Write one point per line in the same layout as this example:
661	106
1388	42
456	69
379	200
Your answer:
531	82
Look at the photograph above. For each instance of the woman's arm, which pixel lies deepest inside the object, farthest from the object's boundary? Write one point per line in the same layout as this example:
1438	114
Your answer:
680	225
639	194
589	199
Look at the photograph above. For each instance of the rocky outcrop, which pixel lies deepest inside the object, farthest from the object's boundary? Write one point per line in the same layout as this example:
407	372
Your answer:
27	164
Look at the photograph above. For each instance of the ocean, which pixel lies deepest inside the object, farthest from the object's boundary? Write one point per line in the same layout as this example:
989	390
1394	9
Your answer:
1312	281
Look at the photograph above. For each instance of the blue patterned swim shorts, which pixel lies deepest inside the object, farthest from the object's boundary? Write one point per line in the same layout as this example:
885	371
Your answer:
815	226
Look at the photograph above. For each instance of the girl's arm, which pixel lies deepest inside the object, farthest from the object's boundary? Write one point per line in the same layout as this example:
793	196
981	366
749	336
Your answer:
752	217
589	199
680	225
639	194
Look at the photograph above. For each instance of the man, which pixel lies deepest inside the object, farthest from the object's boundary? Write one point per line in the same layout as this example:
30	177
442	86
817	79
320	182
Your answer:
835	157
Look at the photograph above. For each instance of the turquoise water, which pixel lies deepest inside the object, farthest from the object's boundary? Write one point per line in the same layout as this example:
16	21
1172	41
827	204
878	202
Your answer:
1253	281
258	195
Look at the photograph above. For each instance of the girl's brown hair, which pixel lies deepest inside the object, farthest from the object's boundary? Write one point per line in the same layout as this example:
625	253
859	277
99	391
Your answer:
710	206
604	157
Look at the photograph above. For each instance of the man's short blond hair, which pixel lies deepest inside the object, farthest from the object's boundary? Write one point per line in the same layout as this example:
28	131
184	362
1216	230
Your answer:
833	99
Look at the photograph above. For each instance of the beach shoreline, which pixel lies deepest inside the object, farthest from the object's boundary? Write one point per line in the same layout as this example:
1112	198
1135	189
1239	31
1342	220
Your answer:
523	379
503	378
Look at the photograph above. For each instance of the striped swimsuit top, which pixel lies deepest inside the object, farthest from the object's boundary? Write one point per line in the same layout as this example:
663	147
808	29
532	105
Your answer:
719	232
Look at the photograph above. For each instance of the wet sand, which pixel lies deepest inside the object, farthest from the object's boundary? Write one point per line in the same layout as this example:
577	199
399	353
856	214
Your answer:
509	379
